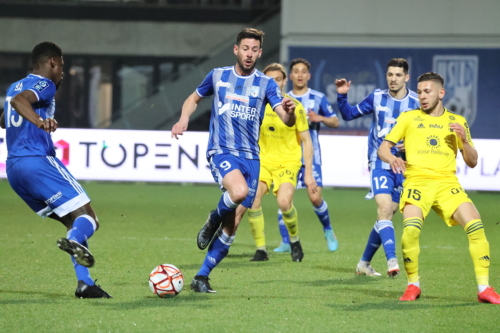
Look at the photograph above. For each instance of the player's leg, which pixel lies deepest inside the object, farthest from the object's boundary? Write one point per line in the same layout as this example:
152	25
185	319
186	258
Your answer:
219	246
256	221
226	171
290	218
385	228
468	217
321	209
285	237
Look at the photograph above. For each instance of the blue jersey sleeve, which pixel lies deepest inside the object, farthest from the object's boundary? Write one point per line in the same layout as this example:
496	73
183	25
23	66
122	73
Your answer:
273	94
44	89
352	112
326	109
206	88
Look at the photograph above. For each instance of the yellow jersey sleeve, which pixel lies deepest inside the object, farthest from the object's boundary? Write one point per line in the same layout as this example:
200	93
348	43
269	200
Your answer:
398	132
300	113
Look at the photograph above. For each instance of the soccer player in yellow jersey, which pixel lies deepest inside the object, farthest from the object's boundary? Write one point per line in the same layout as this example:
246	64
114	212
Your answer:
280	161
432	135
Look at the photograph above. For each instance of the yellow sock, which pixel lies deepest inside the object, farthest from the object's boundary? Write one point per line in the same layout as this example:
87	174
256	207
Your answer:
411	247
479	249
256	220
292	223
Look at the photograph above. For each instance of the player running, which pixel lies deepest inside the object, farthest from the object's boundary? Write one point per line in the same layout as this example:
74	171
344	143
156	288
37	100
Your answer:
280	162
386	106
432	136
318	111
241	94
33	170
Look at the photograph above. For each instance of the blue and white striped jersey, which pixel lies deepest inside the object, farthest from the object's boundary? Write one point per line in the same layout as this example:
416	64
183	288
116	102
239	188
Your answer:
385	110
315	101
237	110
23	137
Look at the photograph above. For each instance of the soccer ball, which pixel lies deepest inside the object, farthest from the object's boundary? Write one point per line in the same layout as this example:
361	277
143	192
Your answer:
166	281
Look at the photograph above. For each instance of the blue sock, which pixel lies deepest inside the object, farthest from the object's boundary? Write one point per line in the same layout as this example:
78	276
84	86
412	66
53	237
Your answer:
217	250
285	238
323	216
224	207
83	228
372	246
386	232
82	272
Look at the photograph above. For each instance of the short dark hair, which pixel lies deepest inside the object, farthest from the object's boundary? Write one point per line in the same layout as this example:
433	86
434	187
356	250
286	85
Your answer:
399	62
44	51
431	76
250	33
300	61
275	67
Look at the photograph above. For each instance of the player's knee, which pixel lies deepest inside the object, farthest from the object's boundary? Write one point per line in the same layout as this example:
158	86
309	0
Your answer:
239	193
317	201
385	212
284	204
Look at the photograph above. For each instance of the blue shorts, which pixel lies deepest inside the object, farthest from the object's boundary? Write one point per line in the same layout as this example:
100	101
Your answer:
45	185
386	182
318	176
222	164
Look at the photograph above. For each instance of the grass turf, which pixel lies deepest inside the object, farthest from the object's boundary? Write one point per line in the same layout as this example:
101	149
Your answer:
143	225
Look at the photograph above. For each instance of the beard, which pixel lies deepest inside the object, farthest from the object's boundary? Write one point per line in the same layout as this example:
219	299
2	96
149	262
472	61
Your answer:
245	70
431	106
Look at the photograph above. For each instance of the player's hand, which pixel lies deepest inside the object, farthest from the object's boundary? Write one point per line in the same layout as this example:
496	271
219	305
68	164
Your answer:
343	86
312	186
460	130
48	125
398	165
288	105
401	147
179	128
314	117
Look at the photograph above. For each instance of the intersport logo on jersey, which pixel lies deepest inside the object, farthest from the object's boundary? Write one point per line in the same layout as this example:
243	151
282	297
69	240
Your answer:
238	111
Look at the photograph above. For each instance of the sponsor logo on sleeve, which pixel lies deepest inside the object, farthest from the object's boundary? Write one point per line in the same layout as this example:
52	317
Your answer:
41	85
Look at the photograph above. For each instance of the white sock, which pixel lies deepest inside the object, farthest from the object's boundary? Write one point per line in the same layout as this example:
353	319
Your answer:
416	284
481	288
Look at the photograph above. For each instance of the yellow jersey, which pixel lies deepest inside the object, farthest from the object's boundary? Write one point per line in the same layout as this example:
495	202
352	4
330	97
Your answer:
280	144
431	146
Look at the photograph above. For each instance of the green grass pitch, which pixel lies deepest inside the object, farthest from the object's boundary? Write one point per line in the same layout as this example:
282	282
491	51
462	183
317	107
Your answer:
143	225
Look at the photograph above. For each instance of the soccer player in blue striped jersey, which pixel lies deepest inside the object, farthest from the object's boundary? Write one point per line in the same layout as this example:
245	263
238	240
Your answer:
318	111
385	106
240	96
33	170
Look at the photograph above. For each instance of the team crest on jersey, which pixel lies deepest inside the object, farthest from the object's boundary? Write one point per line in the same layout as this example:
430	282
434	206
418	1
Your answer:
19	86
460	73
41	85
310	105
255	91
452	118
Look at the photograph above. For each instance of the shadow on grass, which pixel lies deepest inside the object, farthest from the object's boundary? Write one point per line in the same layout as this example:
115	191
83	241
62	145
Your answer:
396	305
189	299
30	293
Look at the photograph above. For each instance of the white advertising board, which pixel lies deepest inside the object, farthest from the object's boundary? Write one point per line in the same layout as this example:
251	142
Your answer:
125	155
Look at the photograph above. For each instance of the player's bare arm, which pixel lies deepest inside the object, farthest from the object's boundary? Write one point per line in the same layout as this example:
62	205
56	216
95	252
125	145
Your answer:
2	121
468	152
332	122
188	108
286	112
311	184
343	86
398	165
22	104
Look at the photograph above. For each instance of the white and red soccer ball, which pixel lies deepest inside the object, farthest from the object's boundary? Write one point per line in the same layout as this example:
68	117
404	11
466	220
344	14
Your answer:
166	281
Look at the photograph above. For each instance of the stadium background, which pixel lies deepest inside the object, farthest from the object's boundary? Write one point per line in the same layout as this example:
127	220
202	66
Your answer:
130	65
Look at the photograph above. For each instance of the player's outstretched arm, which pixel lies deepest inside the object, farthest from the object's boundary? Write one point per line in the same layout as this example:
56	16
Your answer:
22	104
286	112
398	165
347	111
468	152
308	152
188	108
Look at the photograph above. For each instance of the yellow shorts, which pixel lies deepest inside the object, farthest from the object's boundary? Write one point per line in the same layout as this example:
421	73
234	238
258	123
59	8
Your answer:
278	175
443	196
